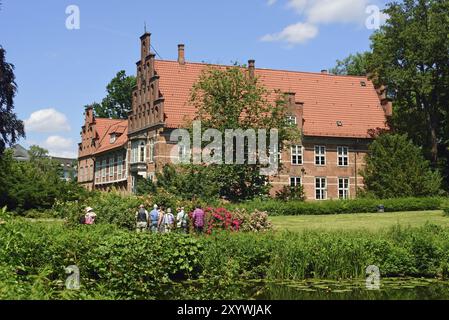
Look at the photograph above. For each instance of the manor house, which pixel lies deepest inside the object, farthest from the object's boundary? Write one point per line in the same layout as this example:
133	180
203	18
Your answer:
335	114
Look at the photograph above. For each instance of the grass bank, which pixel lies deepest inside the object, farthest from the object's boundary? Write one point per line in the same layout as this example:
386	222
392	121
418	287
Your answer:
366	221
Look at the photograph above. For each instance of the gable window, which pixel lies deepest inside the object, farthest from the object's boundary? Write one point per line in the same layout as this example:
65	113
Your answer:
295	181
320	188
320	155
343	156
343	188
296	152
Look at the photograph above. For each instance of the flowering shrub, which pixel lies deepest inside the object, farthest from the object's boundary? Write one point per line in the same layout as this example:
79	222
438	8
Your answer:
240	220
256	221
220	219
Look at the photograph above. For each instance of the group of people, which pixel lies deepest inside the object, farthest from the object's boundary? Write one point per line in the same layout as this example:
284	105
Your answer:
164	221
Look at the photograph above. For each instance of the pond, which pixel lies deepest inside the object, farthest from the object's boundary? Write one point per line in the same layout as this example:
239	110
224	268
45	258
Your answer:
390	289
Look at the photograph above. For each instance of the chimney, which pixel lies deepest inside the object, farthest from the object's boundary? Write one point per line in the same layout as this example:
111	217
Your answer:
181	54
324	71
295	108
252	68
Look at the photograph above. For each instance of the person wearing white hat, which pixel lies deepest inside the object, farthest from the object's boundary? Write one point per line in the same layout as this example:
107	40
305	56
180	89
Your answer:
168	221
90	216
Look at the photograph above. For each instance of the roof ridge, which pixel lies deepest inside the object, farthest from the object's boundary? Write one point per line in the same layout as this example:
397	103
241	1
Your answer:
266	69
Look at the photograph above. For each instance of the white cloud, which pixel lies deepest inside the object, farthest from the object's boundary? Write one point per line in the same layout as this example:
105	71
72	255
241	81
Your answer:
58	146
342	11
47	120
318	12
271	2
294	34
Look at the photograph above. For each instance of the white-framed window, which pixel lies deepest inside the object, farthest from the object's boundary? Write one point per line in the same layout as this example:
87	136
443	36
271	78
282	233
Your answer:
151	150
112	138
182	152
291	120
119	166
295	181
320	188
103	169
111	166
343	156
320	155
343	188
296	152
275	155
97	170
142	152
138	151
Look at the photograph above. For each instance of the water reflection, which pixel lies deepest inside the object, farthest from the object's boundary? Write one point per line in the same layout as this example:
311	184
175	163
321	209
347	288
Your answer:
391	289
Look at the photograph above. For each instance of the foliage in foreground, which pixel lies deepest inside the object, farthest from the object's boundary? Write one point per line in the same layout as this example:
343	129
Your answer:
117	264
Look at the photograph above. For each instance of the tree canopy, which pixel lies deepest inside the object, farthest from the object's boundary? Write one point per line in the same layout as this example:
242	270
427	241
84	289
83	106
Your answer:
118	101
395	168
230	99
410	56
353	65
11	128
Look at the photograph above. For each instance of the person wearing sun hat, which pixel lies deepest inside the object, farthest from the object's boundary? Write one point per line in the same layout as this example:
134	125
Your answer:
90	216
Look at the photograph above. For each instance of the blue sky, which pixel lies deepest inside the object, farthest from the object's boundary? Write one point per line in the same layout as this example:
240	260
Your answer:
59	71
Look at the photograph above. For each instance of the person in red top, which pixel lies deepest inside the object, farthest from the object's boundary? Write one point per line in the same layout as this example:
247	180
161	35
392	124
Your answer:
198	219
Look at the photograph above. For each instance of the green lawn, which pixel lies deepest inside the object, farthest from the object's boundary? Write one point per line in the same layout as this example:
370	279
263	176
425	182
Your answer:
368	221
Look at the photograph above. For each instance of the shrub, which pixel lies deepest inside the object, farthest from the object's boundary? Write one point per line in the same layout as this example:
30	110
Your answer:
291	193
395	167
256	221
279	208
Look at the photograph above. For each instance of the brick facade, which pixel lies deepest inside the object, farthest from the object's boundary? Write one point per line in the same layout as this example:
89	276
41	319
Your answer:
334	114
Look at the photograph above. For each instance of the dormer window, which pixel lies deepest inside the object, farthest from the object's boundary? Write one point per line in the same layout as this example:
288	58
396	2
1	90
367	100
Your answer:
113	138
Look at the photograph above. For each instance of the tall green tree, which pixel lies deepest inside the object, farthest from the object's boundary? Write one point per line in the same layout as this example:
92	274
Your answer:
11	128
353	65
410	55
118	101
395	167
230	99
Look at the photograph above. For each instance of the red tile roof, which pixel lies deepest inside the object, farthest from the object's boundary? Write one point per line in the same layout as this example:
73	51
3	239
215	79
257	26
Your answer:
104	128
327	98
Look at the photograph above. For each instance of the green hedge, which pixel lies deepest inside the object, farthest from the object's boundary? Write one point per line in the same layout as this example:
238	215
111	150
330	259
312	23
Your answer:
291	208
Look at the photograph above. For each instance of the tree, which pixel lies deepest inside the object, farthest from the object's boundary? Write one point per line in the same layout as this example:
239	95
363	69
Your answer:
227	98
395	167
118	102
11	128
35	184
353	65
185	181
410	56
